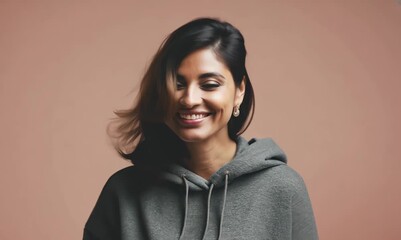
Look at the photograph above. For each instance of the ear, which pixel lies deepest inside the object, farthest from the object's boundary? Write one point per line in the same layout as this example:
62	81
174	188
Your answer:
240	92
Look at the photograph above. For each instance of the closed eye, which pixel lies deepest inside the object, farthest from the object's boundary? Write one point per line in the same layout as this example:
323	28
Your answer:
180	82
210	86
179	85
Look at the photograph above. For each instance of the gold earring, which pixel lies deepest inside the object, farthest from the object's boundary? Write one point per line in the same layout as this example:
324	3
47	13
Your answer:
236	111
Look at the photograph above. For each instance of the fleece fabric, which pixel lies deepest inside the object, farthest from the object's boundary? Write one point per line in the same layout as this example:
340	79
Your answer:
254	196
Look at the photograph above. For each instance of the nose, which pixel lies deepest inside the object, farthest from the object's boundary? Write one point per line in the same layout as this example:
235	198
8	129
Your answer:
190	97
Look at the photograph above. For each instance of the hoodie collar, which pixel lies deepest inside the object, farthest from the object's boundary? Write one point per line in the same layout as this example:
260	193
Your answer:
251	156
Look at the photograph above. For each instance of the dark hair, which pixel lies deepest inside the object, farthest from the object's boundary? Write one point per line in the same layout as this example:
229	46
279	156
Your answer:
142	127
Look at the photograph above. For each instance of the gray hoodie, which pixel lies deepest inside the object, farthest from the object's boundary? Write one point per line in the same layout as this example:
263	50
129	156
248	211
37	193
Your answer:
254	196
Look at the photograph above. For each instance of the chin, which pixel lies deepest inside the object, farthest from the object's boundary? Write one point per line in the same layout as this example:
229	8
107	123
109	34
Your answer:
190	138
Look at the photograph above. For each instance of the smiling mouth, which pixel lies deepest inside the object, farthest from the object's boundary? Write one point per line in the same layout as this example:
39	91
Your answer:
193	116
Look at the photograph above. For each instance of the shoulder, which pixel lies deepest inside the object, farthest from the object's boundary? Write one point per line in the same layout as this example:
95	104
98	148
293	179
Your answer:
122	176
132	178
103	222
122	181
286	178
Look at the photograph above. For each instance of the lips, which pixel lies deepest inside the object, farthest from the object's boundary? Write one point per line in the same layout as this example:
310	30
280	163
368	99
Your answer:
191	119
192	116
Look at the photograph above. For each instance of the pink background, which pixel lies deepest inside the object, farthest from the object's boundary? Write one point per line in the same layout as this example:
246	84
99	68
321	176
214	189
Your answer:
327	80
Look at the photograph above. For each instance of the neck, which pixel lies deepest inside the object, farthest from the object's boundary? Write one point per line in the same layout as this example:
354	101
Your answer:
205	158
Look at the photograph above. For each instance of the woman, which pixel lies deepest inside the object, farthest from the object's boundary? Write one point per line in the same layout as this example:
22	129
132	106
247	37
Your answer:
193	176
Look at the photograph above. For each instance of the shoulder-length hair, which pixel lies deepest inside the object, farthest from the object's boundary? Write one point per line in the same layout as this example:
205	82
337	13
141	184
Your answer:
141	129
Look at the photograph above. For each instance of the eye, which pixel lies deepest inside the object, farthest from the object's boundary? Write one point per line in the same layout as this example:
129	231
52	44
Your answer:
179	85
180	82
210	85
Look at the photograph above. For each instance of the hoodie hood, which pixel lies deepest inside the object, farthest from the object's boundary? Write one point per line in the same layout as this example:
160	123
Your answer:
251	156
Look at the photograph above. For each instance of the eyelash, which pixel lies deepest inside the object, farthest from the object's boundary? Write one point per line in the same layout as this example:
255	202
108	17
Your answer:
206	86
210	86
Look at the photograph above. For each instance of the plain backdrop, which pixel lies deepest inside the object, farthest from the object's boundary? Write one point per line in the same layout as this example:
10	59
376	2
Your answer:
328	91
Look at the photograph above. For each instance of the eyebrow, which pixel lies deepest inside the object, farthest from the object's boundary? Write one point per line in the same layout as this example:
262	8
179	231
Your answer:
205	75
211	74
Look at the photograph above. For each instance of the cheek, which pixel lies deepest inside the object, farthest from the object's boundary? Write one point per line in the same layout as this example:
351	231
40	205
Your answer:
176	101
222	104
176	97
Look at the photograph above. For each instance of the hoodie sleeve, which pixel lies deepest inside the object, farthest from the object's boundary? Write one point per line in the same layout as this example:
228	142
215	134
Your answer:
103	223
303	220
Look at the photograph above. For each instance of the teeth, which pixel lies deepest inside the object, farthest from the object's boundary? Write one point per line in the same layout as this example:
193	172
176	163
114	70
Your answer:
192	116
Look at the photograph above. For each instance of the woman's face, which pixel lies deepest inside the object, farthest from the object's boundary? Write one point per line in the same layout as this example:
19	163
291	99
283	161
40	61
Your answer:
204	98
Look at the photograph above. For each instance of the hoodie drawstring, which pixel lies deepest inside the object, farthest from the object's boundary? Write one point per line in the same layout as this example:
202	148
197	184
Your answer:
208	210
208	206
224	204
186	206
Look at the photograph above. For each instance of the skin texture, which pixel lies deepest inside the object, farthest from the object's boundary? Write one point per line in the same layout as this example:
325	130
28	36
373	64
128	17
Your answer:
205	91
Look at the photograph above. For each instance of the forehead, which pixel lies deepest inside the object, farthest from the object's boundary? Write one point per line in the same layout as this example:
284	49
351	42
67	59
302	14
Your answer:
202	61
